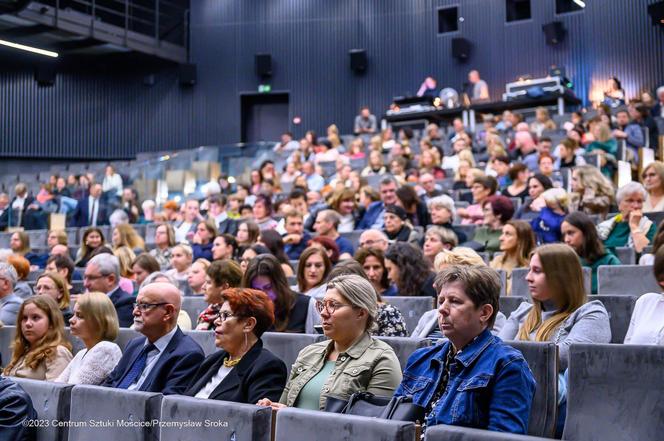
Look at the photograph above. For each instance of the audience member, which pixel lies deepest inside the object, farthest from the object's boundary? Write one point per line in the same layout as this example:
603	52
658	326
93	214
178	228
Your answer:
519	177
653	181
436	240
224	246
646	324
568	156
142	266
580	233
64	266
243	371
348	311
164	240
365	122
186	228
201	244
553	205
95	323
221	275
373	217
408	270
249	253
630	227
296	238
442	214
517	242
196	277
40	349
91	210
497	211
103	274
326	225
482	188
592	192
181	259
22	267
467	308
10	303
217	213
165	359
93	238
312	272
18	412
373	265
294	312
55	286
374	239
396	227
273	241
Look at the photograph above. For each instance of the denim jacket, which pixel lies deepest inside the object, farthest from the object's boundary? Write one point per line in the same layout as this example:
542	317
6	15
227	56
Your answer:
490	385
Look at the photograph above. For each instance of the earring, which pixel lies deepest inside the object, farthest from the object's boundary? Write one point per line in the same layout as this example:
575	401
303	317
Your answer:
246	342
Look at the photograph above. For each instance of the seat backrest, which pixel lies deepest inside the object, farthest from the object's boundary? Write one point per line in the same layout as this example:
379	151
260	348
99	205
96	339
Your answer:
509	304
305	425
620	310
51	401
205	339
125	411
218	420
412	308
150	230
631	280
286	346
7	334
194	306
626	255
615	393
354	237
404	346
520	286
458	433
542	359
124	335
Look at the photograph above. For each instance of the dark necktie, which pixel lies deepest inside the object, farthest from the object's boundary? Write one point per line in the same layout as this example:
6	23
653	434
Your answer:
136	368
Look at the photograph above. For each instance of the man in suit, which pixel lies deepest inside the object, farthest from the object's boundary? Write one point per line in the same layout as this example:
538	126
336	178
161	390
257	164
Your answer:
102	274
658	109
217	211
165	359
17	412
9	301
91	210
373	217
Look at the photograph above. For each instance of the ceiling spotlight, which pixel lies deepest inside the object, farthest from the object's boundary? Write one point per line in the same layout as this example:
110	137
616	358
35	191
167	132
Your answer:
34	50
580	3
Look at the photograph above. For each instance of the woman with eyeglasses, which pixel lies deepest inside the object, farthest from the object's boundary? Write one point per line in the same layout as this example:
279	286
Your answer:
351	360
293	312
243	371
653	180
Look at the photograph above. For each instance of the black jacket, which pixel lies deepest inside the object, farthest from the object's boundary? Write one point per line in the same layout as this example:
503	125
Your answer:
124	305
227	226
260	374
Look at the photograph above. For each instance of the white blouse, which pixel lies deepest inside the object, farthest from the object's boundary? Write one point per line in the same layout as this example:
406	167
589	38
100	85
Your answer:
214	382
647	324
92	366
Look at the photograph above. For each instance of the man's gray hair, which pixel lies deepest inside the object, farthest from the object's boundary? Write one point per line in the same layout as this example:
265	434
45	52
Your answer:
387	180
331	216
442	201
108	264
156	275
8	272
660	90
630	188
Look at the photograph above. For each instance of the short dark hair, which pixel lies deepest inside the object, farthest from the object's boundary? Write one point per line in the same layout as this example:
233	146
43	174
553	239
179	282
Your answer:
147	262
225	271
501	206
230	241
480	283
487	182
516	169
62	262
219	199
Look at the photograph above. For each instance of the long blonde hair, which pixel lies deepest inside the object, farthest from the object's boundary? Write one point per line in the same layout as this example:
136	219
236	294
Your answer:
45	348
564	277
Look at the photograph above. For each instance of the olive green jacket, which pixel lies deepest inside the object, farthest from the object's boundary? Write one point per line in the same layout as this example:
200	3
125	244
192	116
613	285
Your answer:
368	365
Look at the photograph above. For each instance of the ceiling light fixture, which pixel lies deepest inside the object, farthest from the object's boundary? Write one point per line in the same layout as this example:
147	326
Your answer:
580	3
29	49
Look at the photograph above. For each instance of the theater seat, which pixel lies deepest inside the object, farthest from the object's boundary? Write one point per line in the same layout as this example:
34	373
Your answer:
620	310
6	338
205	339
219	420
309	425
286	346
509	304
615	393
404	346
412	308
51	401
542	359
194	306
125	335
626	255
457	433
122	412
633	280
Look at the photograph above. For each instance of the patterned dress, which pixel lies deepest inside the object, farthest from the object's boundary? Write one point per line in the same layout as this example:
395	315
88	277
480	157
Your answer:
389	322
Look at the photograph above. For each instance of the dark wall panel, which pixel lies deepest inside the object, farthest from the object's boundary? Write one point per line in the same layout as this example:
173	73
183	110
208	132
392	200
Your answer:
111	114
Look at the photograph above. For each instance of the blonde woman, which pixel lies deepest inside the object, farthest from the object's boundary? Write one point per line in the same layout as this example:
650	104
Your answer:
40	350
517	241
592	192
181	259
605	145
126	258
542	122
95	322
55	286
124	235
652	179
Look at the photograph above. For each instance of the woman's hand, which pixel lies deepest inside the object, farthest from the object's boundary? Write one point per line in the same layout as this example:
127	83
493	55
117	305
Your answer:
634	219
267	402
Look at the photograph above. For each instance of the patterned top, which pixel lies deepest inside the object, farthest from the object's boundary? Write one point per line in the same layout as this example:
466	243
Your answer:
163	257
390	322
207	317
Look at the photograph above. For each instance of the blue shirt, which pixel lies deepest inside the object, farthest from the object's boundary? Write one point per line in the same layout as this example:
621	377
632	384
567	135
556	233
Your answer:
546	226
345	245
490	385
293	250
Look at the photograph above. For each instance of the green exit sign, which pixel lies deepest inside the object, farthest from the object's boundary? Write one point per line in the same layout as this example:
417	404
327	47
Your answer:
264	88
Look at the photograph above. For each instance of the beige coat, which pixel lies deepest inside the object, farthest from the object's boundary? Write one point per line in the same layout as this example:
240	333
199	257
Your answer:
368	365
47	370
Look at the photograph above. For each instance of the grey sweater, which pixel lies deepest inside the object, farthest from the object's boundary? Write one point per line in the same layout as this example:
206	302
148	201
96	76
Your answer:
588	324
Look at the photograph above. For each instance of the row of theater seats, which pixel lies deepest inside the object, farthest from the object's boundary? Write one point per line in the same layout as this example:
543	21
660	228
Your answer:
614	394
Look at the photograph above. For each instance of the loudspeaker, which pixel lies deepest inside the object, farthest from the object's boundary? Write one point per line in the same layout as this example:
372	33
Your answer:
516	10
358	60
555	32
656	11
45	74
263	65
187	74
461	49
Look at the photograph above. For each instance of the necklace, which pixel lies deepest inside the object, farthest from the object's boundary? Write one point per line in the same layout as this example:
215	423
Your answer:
231	363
